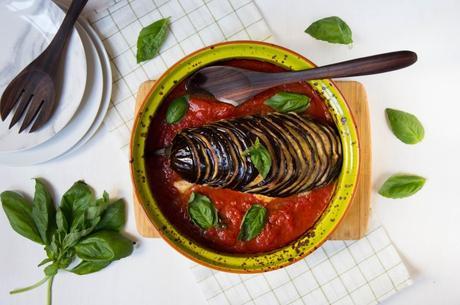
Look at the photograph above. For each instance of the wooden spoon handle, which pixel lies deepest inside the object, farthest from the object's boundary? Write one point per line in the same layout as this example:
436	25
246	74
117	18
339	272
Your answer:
51	55
361	66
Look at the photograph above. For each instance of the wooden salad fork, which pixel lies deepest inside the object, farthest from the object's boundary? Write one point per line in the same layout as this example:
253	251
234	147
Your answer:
33	91
235	85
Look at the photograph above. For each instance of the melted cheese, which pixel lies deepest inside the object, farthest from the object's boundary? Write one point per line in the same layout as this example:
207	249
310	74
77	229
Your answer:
182	186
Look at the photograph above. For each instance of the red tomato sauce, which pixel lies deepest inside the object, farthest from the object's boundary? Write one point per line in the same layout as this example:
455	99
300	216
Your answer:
288	218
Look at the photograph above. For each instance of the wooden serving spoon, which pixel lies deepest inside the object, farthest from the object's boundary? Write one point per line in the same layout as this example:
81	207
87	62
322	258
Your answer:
34	88
234	85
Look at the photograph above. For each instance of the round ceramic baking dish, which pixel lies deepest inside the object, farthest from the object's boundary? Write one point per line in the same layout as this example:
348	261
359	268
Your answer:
345	185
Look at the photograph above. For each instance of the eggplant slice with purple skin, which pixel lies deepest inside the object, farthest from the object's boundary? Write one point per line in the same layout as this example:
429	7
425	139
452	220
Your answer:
305	154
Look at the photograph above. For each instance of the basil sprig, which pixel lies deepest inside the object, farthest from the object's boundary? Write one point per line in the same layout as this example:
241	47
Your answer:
288	102
177	110
260	157
331	29
253	222
405	126
401	186
81	228
202	211
151	38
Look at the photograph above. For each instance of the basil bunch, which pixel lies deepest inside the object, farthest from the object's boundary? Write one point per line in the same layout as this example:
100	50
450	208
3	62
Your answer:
82	228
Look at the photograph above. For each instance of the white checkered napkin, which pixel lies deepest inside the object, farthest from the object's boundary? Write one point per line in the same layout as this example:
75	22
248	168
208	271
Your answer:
352	272
194	24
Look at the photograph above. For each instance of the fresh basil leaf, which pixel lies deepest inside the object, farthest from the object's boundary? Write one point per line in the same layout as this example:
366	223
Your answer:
90	218
43	211
104	246
105	198
44	261
65	261
51	270
52	250
151	38
74	236
177	109
61	221
75	201
84	223
78	223
202	211
92	212
288	102
405	126
19	213
104	201
401	186
86	267
331	29
253	222
260	157
114	217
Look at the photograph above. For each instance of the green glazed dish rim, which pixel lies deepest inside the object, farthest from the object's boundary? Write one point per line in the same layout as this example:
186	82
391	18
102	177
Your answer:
346	182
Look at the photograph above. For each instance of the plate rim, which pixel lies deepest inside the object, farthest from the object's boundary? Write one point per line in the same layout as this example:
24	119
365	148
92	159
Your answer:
30	155
53	8
107	90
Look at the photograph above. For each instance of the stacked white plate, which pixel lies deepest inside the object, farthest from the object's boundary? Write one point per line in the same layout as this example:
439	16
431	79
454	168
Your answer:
84	88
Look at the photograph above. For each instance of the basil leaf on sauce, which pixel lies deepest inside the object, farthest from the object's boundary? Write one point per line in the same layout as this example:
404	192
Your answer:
331	29
260	157
177	109
202	211
253	222
401	186
151	38
405	126
288	102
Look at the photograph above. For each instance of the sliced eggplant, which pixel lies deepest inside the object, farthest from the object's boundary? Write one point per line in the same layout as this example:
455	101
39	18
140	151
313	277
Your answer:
305	154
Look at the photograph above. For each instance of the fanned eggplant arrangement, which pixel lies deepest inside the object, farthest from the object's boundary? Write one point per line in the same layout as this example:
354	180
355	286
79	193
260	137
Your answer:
305	154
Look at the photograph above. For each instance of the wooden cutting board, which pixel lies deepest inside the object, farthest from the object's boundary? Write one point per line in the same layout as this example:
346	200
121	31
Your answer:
354	224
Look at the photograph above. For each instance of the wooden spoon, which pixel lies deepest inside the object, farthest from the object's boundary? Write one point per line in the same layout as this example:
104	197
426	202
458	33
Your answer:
234	85
34	88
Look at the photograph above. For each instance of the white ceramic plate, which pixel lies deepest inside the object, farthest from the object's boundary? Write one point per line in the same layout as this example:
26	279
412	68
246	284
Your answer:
107	72
80	123
26	29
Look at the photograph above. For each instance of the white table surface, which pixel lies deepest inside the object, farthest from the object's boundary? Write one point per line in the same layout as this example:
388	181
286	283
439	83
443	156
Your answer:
424	227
